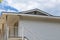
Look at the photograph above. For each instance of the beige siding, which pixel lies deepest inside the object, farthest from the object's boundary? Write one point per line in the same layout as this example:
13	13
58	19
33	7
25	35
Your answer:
2	25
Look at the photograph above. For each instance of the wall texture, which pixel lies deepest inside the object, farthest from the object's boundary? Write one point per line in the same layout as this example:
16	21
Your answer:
39	30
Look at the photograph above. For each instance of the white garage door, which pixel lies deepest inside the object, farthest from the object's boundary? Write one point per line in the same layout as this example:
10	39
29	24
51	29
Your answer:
39	30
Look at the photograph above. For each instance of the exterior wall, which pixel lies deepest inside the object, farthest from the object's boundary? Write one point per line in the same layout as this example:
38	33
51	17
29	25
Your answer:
13	25
39	30
2	25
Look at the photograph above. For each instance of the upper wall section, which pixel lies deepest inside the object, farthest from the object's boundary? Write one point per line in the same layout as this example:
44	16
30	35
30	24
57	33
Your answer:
3	18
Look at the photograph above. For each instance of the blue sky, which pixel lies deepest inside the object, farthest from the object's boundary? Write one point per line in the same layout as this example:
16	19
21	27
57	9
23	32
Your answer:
5	7
50	6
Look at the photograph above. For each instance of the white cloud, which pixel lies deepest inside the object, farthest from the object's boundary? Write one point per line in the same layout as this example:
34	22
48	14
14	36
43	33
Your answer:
10	1
25	6
19	6
2	10
30	4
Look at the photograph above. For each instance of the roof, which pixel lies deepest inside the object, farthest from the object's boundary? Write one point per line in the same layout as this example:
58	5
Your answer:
28	13
36	12
33	12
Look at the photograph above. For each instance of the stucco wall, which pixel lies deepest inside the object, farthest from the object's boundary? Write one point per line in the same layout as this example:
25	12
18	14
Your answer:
39	30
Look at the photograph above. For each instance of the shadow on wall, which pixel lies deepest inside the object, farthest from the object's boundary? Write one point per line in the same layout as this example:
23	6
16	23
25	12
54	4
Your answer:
1	35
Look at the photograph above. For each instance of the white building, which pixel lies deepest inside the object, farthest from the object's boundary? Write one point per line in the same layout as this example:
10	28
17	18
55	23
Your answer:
32	25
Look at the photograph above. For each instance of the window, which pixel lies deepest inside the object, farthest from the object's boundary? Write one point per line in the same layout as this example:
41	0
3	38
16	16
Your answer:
13	30
16	31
